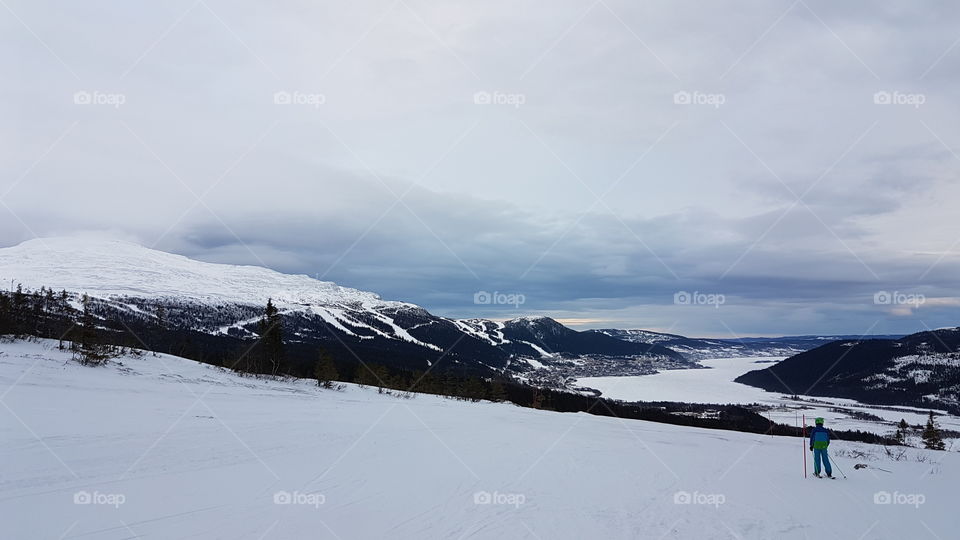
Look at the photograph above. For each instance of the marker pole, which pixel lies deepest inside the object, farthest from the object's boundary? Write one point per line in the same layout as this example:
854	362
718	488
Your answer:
804	445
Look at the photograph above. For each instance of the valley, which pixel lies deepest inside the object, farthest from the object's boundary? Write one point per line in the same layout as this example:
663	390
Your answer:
715	384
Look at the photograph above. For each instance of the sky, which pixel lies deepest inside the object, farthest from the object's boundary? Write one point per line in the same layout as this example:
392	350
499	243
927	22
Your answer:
705	168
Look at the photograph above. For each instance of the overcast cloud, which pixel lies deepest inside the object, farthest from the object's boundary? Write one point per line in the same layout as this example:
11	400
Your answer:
790	162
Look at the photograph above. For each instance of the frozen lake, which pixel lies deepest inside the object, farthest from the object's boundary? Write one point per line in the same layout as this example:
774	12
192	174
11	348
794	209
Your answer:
715	385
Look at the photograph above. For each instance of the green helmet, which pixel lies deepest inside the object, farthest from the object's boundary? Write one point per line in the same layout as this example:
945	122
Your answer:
818	421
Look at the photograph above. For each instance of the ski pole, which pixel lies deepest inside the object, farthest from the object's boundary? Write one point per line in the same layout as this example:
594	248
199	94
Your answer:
838	468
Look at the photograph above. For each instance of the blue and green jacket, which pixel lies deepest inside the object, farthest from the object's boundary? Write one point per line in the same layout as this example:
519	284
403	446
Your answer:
819	438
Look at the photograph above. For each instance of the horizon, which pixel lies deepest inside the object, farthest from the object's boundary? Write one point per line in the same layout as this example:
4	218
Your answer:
574	323
483	161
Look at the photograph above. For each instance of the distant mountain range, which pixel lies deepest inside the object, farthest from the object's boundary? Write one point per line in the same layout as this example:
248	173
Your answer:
703	349
176	304
921	369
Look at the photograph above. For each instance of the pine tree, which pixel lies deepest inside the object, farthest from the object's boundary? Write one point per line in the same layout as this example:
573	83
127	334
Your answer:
271	340
18	310
548	401
59	304
381	377
49	306
89	348
932	438
39	312
474	390
497	391
325	370
161	315
368	375
6	323
537	399
902	430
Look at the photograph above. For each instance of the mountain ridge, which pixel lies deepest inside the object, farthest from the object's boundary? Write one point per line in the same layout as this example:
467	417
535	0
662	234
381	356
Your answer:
920	369
131	284
707	348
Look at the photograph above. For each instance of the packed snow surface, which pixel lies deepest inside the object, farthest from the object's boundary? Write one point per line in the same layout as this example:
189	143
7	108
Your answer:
162	447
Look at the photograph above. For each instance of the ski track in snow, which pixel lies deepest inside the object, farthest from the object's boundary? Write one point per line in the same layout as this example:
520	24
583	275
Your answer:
201	453
543	353
478	328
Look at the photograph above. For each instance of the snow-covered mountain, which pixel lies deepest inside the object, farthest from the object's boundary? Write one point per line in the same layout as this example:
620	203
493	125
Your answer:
139	286
921	369
111	268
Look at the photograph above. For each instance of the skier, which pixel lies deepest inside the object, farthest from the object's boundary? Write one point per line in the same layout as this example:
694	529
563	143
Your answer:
819	441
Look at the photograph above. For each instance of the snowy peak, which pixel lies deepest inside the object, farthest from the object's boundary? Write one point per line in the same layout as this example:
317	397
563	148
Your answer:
110	268
542	327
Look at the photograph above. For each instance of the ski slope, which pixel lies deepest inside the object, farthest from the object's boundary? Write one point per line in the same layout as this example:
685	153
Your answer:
162	447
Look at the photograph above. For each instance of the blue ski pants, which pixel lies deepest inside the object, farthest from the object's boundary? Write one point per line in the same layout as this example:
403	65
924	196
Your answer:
820	456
